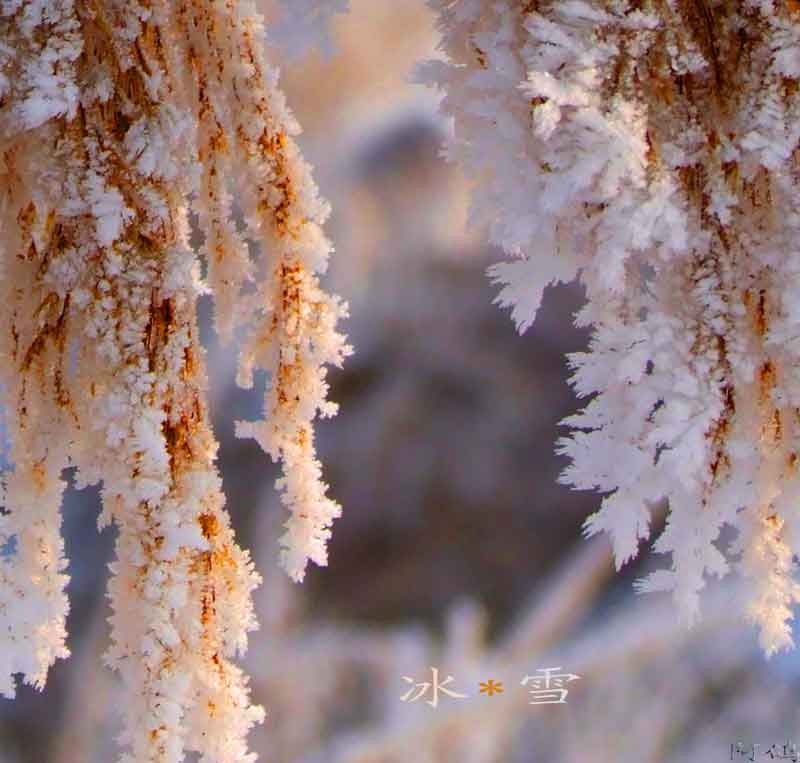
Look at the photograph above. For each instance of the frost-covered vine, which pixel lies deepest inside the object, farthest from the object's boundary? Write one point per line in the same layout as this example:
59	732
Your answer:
114	116
649	147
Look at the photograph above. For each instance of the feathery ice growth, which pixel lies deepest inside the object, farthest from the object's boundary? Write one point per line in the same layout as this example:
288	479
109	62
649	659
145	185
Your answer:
651	150
116	119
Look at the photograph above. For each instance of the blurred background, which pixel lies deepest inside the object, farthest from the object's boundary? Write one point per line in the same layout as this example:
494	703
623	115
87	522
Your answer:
457	548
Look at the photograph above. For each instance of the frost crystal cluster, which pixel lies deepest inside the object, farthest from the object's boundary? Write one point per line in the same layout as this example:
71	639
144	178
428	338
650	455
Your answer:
116	118
650	149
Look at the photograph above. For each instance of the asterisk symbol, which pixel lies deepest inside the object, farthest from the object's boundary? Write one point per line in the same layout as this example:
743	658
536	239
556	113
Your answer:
491	687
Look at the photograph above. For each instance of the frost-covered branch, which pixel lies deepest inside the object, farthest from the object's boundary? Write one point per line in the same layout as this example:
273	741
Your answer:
650	150
112	117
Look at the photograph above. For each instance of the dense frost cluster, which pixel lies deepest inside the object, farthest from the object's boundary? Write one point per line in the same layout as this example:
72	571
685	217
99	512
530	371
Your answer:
650	149
116	118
